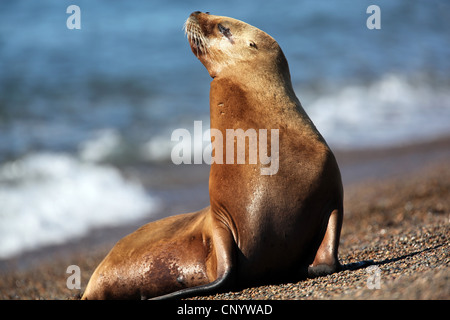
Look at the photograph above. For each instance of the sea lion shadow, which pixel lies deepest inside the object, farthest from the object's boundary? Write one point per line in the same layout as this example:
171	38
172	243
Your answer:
366	263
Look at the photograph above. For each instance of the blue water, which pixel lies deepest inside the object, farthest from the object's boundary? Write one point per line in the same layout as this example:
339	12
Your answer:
112	92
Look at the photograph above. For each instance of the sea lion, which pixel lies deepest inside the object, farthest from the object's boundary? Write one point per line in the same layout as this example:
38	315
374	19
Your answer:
258	228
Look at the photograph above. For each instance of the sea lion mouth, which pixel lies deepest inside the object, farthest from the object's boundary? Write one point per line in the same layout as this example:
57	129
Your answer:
196	38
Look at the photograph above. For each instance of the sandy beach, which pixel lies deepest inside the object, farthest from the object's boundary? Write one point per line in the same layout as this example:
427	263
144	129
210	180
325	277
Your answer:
397	211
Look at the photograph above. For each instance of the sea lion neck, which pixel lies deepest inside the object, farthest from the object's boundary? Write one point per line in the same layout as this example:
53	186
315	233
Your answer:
261	98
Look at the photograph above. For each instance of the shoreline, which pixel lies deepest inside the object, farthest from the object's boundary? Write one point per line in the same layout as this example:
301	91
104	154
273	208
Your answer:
379	186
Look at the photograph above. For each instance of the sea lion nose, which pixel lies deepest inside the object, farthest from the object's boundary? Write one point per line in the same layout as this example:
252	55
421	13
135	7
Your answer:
196	13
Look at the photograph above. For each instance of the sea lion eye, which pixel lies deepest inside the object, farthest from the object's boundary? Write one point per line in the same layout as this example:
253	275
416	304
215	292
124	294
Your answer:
225	31
253	45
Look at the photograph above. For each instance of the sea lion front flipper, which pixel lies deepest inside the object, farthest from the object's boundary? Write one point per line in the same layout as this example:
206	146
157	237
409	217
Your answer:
326	260
224	250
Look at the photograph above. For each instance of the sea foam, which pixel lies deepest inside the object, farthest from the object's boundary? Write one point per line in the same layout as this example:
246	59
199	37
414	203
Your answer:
48	198
392	110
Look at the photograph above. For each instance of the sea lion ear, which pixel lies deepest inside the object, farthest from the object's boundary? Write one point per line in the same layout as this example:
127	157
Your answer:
252	44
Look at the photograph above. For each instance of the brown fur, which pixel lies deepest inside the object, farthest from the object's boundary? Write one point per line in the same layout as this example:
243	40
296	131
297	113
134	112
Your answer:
258	228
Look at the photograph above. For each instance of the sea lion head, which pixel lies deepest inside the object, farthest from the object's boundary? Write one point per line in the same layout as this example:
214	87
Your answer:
224	44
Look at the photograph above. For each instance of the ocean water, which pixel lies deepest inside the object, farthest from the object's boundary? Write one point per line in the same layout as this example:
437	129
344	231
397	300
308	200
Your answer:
77	105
